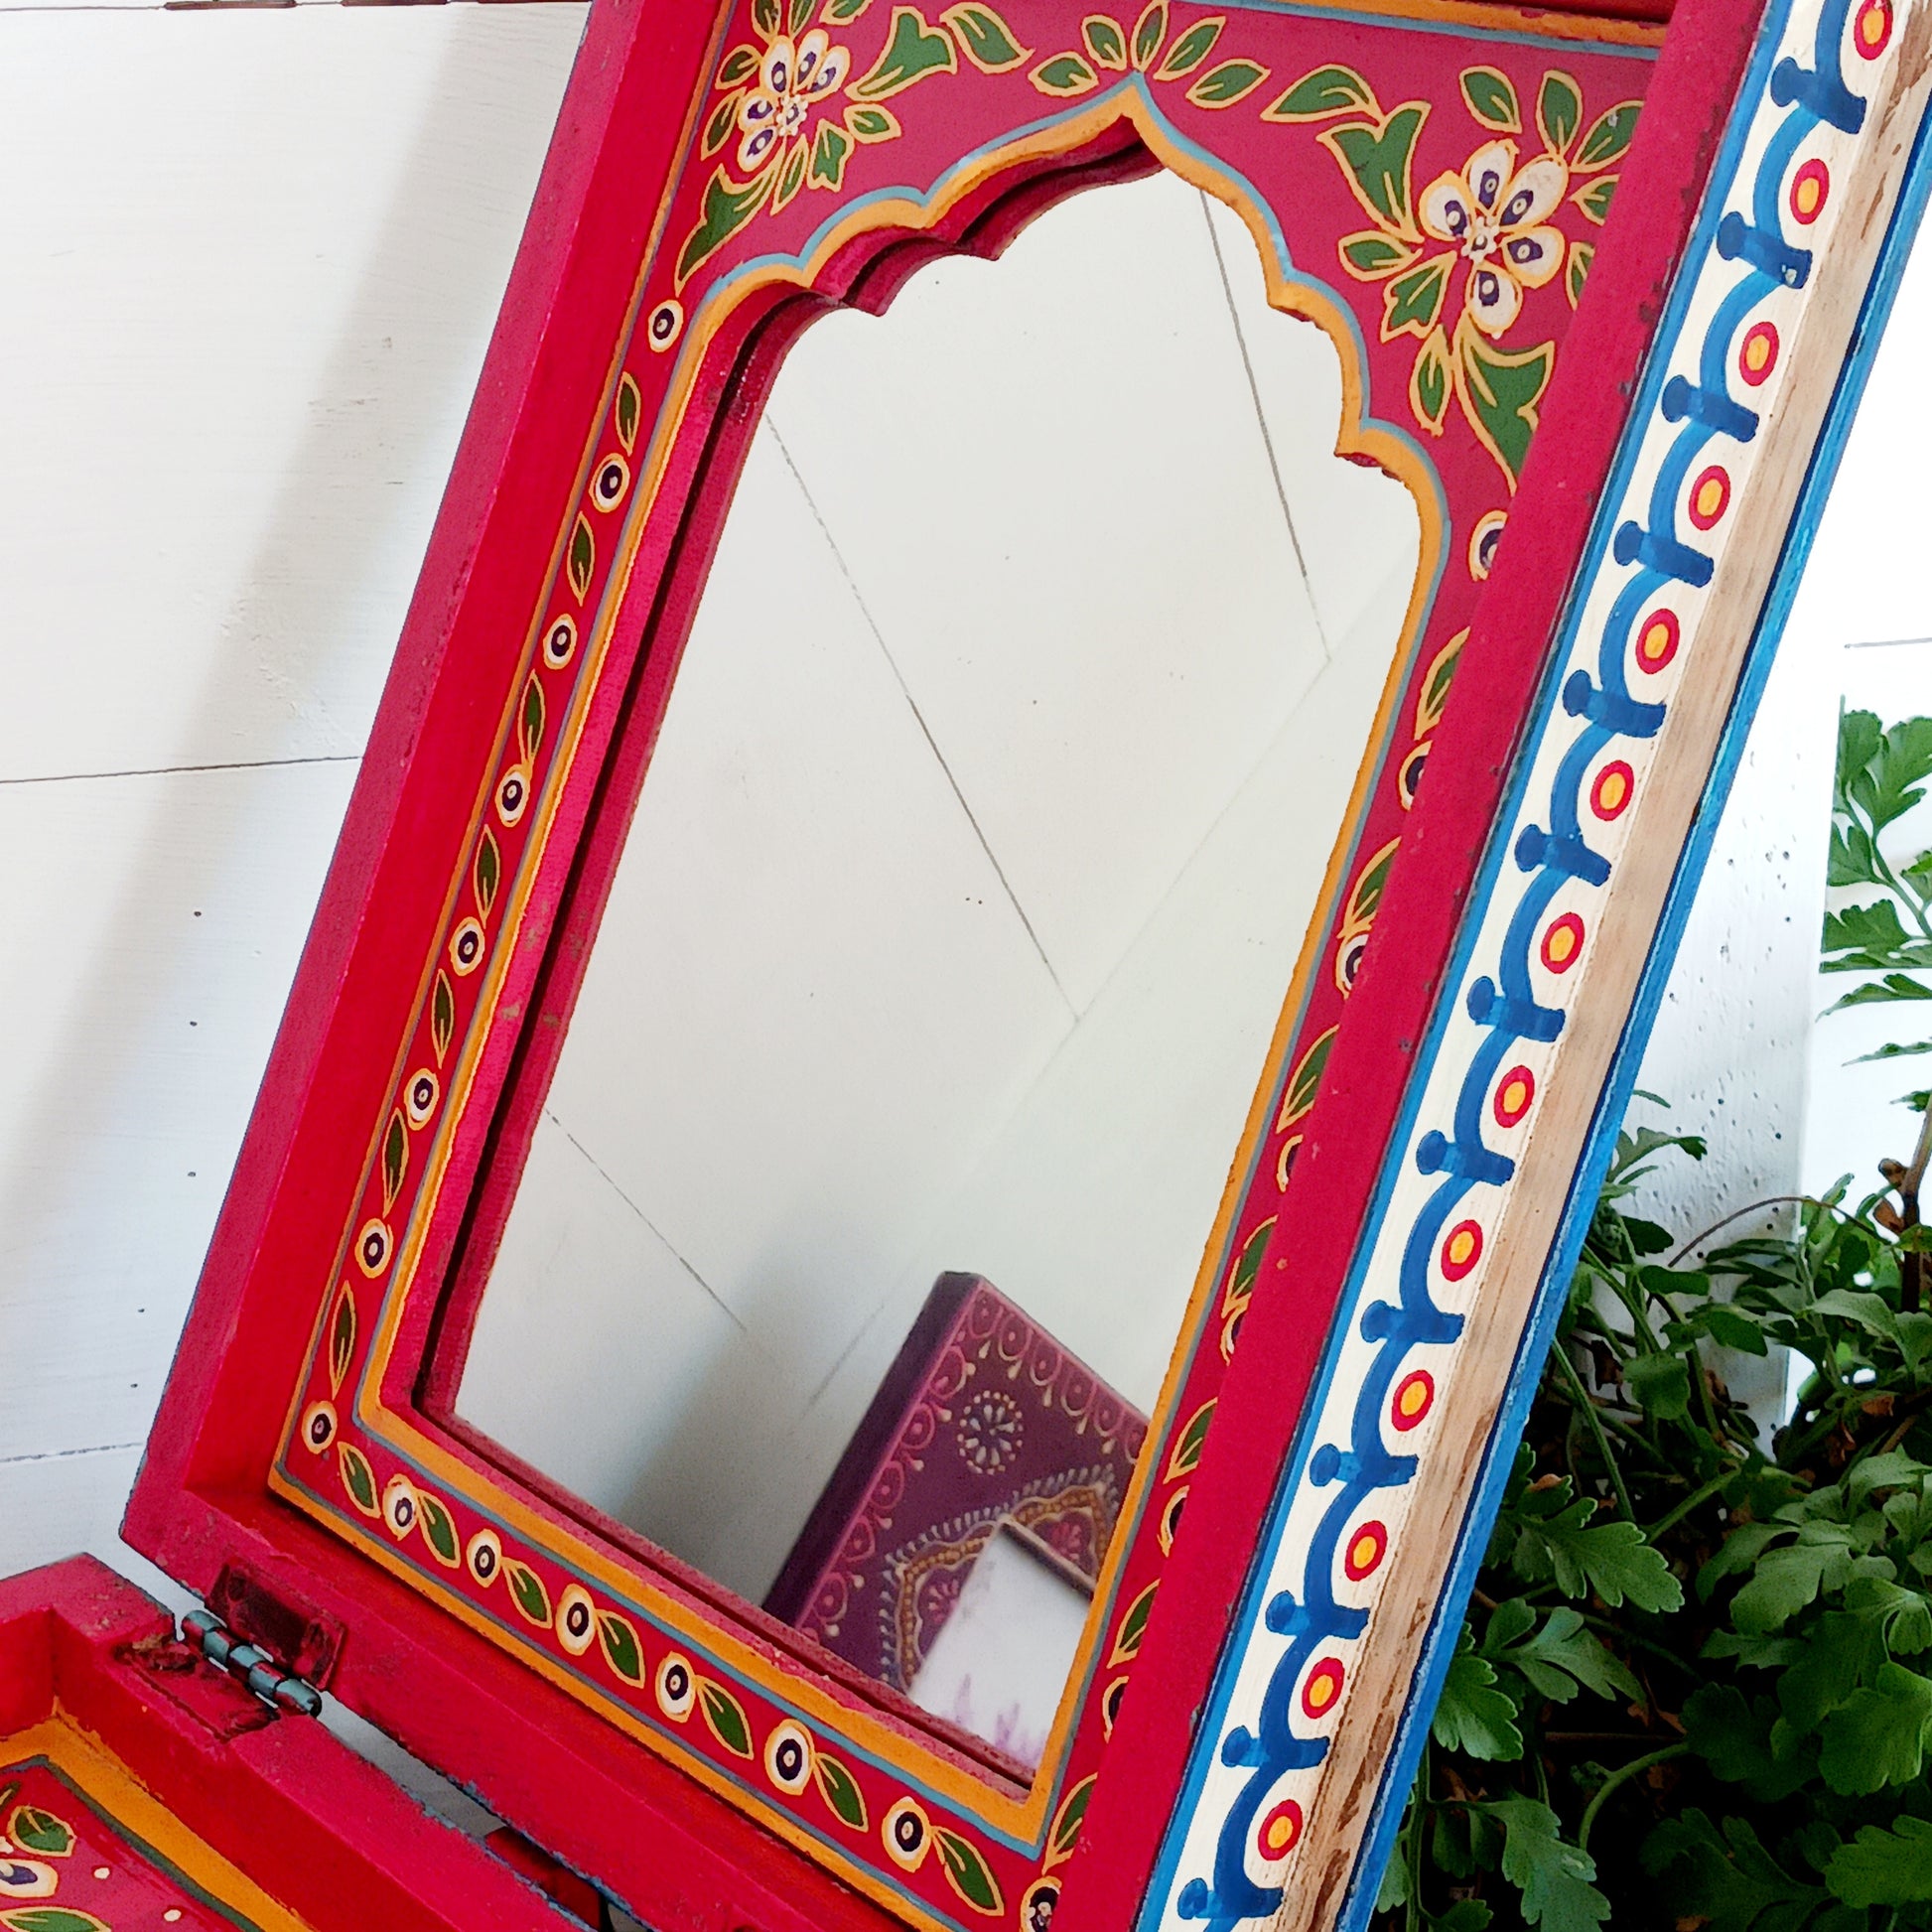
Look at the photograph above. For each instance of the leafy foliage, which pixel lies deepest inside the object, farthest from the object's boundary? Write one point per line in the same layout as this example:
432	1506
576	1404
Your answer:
1695	1685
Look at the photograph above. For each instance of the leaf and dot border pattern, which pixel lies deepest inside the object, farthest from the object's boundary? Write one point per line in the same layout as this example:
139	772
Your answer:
1255	1784
790	76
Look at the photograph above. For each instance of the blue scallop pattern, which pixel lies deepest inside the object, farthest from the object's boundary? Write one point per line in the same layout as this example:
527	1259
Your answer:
1608	713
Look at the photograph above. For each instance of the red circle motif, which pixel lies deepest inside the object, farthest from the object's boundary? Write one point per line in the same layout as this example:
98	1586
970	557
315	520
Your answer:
1563	942
1461	1248
1322	1688
1279	1831
1811	188
1610	792
1514	1092
1414	1396
1871	29
1757	353
1710	498
1657	640
1365	1550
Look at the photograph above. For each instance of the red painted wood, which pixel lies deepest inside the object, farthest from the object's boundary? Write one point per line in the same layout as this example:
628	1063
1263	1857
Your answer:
603	1803
1329	1193
310	1822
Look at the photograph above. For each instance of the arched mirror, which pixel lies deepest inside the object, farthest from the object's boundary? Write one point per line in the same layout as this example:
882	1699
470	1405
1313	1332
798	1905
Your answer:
915	1062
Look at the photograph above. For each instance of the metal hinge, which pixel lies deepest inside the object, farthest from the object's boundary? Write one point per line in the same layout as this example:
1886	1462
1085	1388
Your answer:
249	1664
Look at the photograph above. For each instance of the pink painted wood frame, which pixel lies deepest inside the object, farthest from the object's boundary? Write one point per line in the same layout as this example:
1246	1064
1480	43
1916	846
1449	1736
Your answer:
312	1824
677	1852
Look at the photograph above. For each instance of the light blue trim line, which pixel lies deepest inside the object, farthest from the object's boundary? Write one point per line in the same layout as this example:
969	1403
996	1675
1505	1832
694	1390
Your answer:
1248	1618
1485	36
1440	1646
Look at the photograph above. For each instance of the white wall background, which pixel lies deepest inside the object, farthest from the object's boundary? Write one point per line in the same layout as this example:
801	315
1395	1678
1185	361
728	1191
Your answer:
248	263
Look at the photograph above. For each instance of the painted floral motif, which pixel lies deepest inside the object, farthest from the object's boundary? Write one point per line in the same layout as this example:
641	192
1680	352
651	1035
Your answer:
1457	261
779	99
776	111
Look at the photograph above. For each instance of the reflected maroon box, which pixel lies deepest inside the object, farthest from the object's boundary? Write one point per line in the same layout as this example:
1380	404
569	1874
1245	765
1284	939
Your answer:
983	1416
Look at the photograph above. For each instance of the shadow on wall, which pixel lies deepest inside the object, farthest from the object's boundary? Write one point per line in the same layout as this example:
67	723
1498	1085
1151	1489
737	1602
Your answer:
206	722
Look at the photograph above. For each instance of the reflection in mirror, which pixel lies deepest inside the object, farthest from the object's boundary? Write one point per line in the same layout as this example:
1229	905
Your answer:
989	810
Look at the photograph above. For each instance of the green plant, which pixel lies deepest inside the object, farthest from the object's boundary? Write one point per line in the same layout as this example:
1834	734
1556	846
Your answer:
1694	1687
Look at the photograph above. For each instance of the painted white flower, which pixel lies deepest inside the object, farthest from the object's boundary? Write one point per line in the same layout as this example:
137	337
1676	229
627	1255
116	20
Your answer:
793	77
1493	211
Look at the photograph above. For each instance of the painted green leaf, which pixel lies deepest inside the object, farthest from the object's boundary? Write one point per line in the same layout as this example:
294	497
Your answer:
1412	302
1577	270
1366	898
839	1789
526	1587
341	1335
488	876
631	404
1105	41
1306	1081
841	13
1594	199
1432	384
801	14
1247	1266
967	1872
1223	85
39	1832
583	555
357	1478
831	148
1490	96
439	1527
726	1717
51	1918
395	1153
912	51
1133	1627
1191	49
1377	160
1371	255
724	210
442	1015
622	1650
1559	111
530	724
1609	136
1185	1459
1149	31
1502	390
872	124
768	16
984	38
1067	1821
1064	73
1436	685
718	130
736	67
1322	94
792	175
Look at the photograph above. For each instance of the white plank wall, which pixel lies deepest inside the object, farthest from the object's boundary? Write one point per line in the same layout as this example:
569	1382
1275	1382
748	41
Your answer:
251	262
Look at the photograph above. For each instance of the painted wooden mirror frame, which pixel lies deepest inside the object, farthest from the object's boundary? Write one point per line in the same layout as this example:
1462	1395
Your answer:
1240	1730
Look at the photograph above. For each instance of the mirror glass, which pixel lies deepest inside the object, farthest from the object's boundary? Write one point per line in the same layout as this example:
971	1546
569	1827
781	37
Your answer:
987	818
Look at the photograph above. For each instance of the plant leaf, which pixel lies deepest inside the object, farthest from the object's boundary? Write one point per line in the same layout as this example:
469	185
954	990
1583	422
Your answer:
1473	1715
1554	1877
1884	1868
1879	1736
